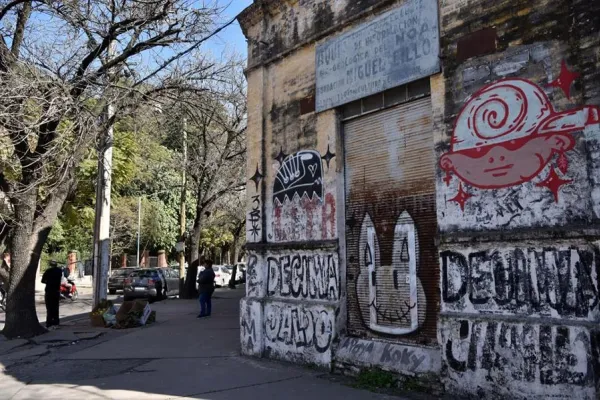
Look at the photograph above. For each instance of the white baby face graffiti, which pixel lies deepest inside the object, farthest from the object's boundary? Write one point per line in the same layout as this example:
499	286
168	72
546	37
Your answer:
391	297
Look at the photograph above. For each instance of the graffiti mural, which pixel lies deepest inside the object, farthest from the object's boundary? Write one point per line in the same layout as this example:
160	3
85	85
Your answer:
391	297
391	356
548	282
299	332
300	175
254	220
302	208
525	357
250	327
310	275
253	275
508	133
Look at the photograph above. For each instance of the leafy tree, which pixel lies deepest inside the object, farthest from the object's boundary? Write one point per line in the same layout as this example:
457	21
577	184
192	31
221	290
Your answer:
56	78
217	155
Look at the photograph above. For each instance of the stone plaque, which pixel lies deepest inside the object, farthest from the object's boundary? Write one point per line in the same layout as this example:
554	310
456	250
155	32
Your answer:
395	48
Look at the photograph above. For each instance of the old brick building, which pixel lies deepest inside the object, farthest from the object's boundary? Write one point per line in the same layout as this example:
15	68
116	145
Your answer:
424	191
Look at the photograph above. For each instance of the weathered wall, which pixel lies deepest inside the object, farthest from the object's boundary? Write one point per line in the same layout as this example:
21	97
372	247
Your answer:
517	198
277	27
294	290
516	132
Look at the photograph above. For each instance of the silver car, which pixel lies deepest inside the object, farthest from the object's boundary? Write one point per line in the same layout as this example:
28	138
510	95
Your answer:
117	279
152	283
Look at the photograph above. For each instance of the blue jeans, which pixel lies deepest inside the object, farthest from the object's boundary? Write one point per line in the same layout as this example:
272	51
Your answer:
205	303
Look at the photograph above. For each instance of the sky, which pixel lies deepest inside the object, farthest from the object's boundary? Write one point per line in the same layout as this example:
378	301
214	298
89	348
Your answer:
232	38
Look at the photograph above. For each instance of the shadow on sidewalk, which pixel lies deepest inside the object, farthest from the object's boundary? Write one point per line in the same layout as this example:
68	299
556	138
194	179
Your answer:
179	356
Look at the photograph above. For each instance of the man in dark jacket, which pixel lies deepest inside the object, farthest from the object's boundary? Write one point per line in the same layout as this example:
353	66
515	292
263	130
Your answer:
52	278
206	287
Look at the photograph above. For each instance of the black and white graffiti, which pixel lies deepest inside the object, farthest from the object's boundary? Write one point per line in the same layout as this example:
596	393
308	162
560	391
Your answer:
548	282
298	329
516	357
391	356
254	219
252	276
300	174
391	297
304	275
250	322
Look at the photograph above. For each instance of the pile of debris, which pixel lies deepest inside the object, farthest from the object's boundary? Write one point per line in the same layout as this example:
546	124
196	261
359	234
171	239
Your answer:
130	314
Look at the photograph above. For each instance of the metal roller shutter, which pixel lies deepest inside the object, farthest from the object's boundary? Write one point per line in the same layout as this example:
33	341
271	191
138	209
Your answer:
391	225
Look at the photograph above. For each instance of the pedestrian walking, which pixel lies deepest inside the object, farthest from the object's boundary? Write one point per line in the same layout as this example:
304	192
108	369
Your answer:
52	278
206	287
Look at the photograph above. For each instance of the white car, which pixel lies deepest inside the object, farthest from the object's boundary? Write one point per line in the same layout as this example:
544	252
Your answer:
241	267
239	273
222	275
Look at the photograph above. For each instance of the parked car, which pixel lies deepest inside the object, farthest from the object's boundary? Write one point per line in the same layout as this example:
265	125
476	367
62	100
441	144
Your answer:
222	275
117	279
239	274
151	283
242	267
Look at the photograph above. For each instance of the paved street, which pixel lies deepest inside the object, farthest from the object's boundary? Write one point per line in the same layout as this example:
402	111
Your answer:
178	357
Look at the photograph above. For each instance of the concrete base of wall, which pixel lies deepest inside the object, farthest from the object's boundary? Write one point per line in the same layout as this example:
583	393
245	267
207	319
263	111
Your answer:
403	359
293	331
417	368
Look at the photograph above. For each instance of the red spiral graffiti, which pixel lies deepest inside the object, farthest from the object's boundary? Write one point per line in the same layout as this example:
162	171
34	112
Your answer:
494	111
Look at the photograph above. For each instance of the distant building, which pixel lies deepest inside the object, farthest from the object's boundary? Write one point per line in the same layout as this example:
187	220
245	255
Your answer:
424	191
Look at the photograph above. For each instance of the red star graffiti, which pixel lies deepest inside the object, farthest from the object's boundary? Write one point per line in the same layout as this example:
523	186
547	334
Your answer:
462	197
565	79
554	182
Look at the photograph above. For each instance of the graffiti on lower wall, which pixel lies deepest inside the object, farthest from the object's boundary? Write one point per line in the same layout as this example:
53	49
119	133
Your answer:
307	274
520	358
552	282
391	297
392	356
509	133
250	327
302	207
307	331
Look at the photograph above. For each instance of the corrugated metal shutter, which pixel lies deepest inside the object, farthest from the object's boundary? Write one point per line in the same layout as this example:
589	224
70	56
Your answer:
391	225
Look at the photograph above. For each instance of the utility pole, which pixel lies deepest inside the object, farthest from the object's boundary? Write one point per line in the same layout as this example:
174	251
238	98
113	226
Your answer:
103	192
182	212
139	230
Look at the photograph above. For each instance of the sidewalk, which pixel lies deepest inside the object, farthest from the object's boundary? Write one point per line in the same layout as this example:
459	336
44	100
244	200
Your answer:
179	357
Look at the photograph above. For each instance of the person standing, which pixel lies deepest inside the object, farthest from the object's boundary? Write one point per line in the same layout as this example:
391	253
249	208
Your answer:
52	278
206	287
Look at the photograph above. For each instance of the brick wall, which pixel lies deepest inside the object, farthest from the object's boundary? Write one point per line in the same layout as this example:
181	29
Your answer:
518	229
517	198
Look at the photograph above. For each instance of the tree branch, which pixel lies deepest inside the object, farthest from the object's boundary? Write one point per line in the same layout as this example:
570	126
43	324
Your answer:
10	6
22	19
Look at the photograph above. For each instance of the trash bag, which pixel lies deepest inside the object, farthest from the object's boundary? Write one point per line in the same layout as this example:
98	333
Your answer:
110	319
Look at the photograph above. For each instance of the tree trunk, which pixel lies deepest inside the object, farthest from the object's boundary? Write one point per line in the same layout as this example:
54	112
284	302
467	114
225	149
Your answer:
190	279
234	246
26	248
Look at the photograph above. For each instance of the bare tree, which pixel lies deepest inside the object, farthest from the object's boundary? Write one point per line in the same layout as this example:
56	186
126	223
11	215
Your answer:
55	80
216	151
